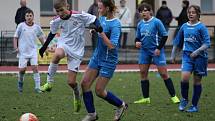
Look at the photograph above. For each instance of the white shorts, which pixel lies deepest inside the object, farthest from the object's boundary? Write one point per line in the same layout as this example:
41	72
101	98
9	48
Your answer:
73	64
24	61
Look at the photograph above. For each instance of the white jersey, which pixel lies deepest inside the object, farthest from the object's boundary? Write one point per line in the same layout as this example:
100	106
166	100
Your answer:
27	39
72	33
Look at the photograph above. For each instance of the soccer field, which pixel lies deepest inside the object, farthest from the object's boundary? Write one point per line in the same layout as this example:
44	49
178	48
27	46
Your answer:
57	105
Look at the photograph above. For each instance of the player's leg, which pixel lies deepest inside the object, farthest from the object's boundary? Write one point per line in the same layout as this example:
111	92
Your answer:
144	84
86	83
36	75
160	62
22	68
197	89
200	70
187	68
144	64
52	69
73	68
104	76
168	83
184	90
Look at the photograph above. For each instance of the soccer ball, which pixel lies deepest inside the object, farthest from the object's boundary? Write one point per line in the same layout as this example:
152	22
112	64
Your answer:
28	117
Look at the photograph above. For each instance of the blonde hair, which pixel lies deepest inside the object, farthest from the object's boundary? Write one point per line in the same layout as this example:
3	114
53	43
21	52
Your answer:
60	3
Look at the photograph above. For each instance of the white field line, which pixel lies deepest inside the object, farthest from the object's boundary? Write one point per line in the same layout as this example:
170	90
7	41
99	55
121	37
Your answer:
117	70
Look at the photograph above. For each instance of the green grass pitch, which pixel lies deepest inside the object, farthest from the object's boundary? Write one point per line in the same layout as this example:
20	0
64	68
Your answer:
57	105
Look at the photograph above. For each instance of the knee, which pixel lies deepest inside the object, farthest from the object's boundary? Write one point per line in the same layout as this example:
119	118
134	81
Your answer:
72	83
143	74
35	70
100	92
85	85
22	71
164	76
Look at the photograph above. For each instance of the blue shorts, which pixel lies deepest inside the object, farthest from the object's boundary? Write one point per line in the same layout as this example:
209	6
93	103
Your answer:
146	57
104	71
197	65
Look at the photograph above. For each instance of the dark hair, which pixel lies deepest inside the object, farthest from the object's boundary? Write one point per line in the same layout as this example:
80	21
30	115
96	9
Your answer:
197	9
187	3
144	6
29	11
110	4
164	2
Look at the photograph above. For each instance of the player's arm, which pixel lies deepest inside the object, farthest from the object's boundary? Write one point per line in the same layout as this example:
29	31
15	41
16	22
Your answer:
15	44
96	26
162	42
45	45
107	41
199	50
206	42
160	45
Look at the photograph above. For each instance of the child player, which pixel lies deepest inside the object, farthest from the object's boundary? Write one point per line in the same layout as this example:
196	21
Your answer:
194	38
25	44
70	44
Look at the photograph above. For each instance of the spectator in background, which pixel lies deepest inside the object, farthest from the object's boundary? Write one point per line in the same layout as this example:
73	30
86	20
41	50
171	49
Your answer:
124	16
182	18
93	9
165	15
137	16
20	13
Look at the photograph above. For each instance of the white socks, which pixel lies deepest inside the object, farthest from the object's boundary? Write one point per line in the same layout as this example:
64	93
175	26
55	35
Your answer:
37	80
51	72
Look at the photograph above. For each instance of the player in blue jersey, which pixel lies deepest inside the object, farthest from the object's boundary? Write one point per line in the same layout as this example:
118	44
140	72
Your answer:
194	38
103	63
150	39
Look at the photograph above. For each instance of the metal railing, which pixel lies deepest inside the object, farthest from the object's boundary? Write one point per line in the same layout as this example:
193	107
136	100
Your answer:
127	55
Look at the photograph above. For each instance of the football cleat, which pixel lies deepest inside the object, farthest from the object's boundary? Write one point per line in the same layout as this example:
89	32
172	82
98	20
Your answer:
46	87
90	117
192	109
175	100
77	104
20	86
37	90
143	101
120	112
182	105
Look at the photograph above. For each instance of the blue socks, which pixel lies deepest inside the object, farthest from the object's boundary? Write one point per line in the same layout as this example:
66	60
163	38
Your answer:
88	101
184	89
112	99
197	89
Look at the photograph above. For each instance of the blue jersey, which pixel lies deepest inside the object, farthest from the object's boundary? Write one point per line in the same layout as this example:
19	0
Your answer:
191	37
108	57
149	33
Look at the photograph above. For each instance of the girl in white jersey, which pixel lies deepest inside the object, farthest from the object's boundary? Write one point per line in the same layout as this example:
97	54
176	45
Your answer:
70	44
25	44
